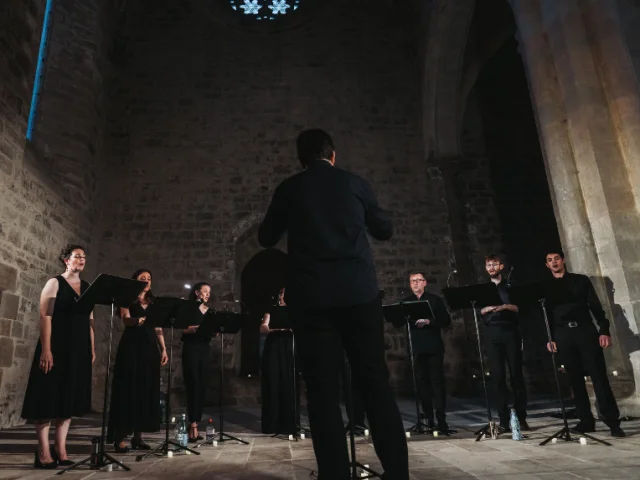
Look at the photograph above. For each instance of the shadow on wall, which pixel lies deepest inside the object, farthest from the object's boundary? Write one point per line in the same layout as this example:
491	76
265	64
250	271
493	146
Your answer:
629	342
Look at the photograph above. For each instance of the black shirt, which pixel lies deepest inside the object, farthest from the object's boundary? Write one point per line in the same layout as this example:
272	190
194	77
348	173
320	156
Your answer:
326	213
571	298
196	316
428	339
505	317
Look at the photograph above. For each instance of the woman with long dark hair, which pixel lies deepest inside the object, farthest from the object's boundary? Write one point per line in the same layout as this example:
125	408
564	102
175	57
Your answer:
135	395
277	377
195	356
60	380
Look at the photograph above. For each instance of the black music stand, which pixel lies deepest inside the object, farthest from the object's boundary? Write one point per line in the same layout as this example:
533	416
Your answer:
400	314
172	313
279	318
115	291
222	323
476	296
354	465
527	296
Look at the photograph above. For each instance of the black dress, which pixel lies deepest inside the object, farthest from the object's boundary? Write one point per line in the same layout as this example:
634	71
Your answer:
277	384
135	394
65	391
195	358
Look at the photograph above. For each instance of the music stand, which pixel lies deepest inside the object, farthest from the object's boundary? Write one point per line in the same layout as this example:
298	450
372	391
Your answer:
354	464
527	296
279	318
106	290
172	313
401	314
222	323
476	296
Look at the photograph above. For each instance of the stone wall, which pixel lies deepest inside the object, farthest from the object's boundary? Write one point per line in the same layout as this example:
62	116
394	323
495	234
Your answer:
207	126
47	199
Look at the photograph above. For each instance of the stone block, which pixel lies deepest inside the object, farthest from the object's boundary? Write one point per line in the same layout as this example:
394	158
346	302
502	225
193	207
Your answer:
8	277
5	327
9	304
23	352
6	351
17	330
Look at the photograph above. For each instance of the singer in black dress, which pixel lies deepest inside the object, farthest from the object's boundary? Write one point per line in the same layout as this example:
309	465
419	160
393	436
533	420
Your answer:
195	357
277	378
135	394
59	384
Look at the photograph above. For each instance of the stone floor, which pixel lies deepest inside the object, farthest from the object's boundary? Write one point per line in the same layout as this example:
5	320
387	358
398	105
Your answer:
457	457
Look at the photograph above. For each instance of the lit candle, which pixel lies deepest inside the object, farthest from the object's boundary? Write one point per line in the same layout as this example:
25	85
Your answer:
435	433
366	432
187	452
169	454
290	437
583	441
215	443
302	436
554	440
408	434
615	373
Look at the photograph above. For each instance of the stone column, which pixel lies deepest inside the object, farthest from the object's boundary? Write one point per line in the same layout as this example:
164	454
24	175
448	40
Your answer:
587	166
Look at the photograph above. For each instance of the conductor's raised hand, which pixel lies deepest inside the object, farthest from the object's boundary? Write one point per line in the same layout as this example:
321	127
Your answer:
46	361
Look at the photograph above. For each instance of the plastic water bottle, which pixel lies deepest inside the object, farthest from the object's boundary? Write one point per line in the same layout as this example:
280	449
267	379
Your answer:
516	434
181	432
210	430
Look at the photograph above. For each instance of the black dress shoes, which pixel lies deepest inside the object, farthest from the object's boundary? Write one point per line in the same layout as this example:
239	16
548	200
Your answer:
585	426
616	431
118	449
46	466
56	458
138	444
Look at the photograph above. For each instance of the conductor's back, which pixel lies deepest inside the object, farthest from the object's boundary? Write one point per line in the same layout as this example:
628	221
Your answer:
327	213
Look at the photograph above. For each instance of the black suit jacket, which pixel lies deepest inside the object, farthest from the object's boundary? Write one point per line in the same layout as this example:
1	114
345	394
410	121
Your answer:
327	213
428	339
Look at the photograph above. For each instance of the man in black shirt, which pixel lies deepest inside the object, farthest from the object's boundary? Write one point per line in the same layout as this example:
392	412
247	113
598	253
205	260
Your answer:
428	349
334	301
503	343
570	298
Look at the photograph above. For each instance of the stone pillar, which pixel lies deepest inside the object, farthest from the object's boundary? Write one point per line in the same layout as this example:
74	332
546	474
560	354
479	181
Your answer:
585	118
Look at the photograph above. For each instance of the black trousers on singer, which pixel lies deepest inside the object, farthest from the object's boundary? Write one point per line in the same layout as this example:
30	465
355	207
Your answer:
582	355
322	333
431	386
195	356
504	347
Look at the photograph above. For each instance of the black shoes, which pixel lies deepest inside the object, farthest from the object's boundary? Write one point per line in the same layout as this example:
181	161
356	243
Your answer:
616	431
504	429
524	426
56	458
138	444
195	439
118	449
45	466
585	426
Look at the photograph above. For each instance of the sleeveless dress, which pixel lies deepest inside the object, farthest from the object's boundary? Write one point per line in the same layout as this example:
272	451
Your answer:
277	384
195	368
65	391
135	393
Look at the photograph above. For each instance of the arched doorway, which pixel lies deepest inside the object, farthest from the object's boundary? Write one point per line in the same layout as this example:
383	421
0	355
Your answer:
260	280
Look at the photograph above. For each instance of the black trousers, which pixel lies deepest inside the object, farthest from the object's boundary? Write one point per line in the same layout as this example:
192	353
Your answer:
195	355
356	397
582	355
431	386
322	333
504	346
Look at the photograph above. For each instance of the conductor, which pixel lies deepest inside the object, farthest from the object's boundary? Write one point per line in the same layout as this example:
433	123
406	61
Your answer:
332	293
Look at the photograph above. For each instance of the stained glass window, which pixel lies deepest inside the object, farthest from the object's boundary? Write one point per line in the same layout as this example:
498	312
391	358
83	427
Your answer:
265	9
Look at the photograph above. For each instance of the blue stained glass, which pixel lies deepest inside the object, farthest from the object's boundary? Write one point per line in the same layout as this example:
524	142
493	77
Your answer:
265	9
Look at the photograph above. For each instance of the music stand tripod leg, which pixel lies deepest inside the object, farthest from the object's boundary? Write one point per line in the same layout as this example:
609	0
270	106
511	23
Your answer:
487	428
354	464
102	455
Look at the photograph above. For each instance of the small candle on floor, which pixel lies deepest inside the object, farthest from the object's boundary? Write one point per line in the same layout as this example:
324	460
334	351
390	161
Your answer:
366	432
169	454
408	434
302	436
215	443
290	437
187	452
554	440
583	441
435	433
